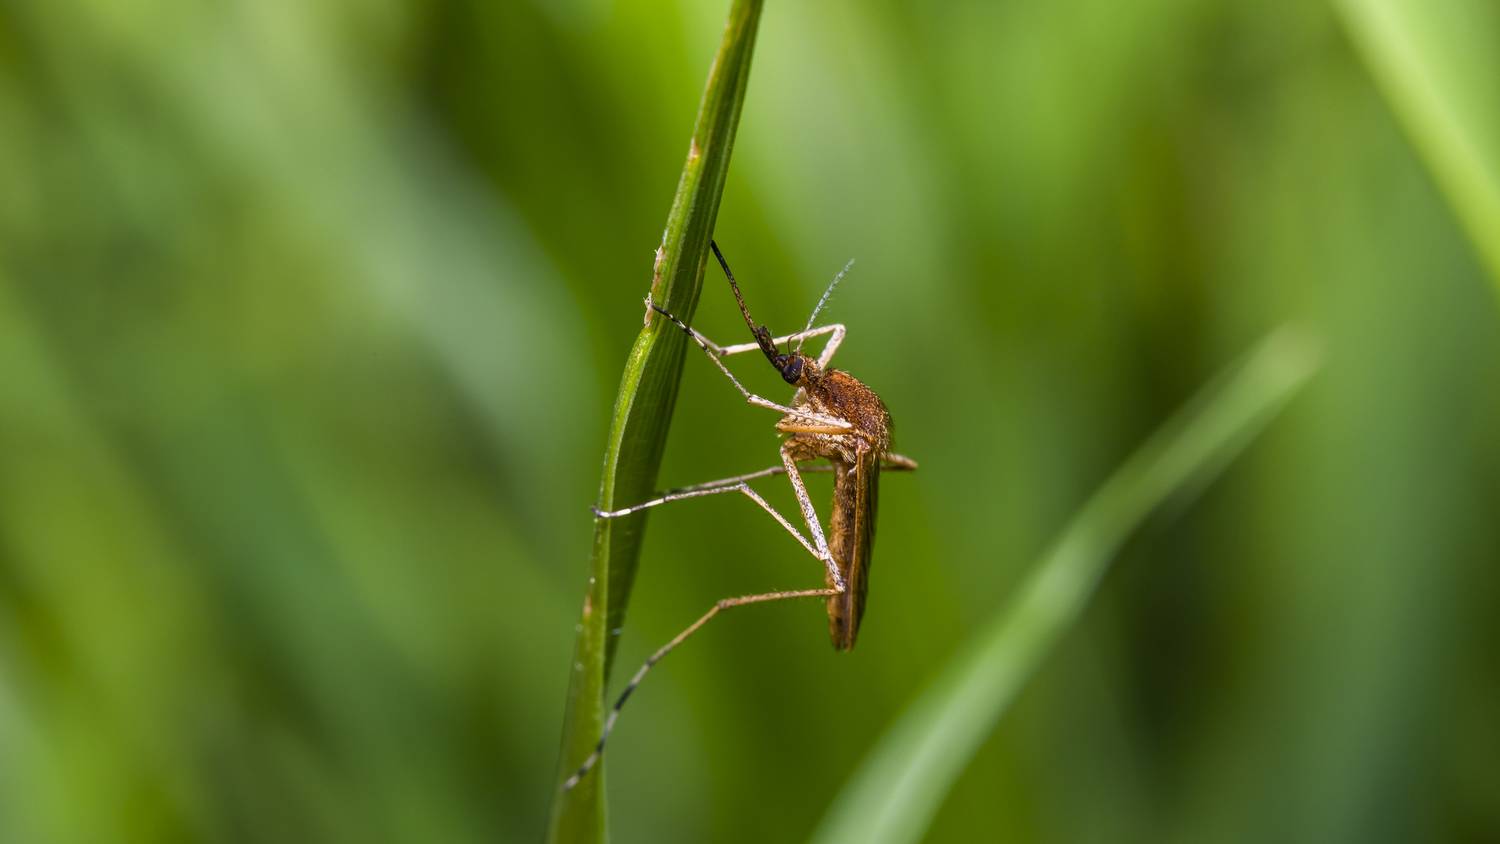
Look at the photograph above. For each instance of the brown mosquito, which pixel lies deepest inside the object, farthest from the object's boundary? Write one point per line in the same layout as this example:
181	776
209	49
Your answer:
832	417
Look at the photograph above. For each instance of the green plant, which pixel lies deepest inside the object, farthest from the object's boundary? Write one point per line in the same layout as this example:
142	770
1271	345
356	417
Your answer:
1433	64
643	411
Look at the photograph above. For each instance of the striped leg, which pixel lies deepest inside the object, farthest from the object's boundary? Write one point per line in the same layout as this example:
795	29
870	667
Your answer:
715	352
818	548
739	483
724	604
892	462
837	330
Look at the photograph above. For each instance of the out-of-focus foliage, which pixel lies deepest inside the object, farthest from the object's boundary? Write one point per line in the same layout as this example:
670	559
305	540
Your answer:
311	314
897	790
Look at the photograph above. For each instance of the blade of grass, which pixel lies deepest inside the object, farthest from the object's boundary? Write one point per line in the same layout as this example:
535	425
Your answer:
643	410
1437	62
898	788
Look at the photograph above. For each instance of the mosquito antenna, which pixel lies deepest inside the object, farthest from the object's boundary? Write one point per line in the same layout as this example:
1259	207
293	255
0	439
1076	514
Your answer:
762	334
823	300
729	274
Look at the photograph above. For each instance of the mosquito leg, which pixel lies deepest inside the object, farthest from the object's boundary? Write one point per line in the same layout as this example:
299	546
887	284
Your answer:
810	516
721	485
893	462
741	348
724	604
727	485
832	346
735	484
680	492
803	428
715	352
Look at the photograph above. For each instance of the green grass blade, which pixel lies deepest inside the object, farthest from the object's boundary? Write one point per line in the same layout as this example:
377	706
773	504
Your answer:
1437	63
902	782
643	411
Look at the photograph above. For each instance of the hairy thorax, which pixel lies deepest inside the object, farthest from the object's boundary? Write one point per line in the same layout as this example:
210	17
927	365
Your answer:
838	394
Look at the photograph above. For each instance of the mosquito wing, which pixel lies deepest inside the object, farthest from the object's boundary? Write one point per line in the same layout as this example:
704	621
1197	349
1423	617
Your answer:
856	492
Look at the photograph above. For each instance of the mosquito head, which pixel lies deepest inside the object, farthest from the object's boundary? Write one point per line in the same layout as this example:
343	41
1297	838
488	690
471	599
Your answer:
796	368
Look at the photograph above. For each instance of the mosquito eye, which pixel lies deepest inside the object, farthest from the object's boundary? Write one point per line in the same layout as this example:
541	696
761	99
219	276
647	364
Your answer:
791	372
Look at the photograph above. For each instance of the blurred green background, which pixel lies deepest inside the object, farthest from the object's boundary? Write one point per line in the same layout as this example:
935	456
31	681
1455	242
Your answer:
312	314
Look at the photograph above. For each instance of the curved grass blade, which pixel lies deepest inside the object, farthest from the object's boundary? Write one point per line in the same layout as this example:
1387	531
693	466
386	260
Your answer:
1437	62
898	788
643	410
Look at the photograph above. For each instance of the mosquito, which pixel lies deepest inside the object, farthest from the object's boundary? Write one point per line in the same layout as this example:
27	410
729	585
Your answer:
833	417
